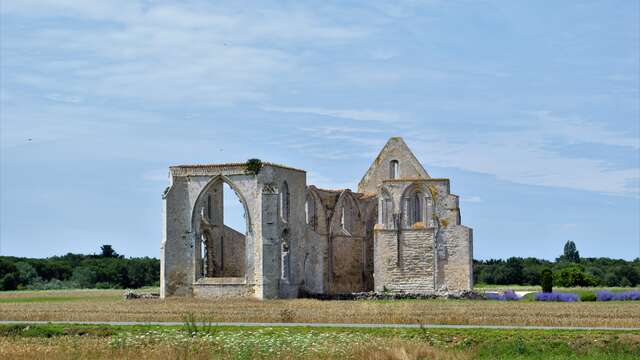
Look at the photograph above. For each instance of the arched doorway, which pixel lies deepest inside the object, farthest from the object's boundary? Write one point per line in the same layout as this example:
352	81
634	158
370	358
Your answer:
221	225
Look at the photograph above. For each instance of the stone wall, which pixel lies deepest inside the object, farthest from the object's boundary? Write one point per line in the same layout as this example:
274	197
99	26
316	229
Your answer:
222	287
455	259
395	149
233	253
413	270
348	267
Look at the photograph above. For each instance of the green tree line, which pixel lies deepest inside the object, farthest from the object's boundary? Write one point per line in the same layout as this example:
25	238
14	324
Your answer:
111	270
105	270
569	270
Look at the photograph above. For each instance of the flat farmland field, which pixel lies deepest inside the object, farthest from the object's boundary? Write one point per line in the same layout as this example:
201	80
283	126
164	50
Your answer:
108	305
73	341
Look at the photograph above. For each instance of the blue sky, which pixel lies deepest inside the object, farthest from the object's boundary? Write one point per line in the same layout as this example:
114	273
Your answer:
531	108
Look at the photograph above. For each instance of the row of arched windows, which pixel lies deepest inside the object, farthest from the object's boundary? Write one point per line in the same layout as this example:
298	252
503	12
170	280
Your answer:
311	216
416	208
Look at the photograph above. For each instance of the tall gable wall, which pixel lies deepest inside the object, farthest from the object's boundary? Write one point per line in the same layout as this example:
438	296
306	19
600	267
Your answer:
395	149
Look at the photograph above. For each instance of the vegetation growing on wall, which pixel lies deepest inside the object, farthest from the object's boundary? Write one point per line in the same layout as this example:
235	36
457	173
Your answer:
254	166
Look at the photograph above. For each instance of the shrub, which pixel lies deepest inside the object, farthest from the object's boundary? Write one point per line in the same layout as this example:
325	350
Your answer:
574	276
9	282
254	166
53	284
606	295
546	280
508	295
106	285
563	297
588	296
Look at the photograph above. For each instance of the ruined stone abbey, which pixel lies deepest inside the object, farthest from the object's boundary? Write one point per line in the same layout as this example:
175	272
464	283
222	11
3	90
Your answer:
401	232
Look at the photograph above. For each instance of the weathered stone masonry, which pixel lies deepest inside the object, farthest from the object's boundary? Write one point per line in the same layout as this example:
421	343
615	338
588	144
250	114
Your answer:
401	232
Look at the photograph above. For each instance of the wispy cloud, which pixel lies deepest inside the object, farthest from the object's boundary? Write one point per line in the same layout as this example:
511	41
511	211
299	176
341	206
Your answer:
524	155
575	130
162	52
350	114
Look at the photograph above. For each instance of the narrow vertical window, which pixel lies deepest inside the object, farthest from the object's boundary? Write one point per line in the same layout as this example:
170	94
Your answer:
394	169
306	212
388	213
209	207
284	202
417	207
346	218
310	212
285	260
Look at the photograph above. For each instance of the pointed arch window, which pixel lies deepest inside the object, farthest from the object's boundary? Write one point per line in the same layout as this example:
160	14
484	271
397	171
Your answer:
284	202
416	203
386	211
346	218
310	211
285	258
394	169
417	208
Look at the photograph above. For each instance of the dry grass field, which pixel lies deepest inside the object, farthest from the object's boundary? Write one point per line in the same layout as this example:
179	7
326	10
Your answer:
87	347
68	341
107	305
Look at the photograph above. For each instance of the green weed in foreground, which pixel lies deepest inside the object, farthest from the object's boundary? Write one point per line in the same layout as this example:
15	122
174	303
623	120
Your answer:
247	343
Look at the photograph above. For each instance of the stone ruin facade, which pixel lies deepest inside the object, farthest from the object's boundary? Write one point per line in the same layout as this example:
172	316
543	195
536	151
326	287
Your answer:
400	233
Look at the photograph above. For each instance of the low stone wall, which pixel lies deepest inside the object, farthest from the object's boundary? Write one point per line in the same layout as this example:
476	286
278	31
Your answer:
222	287
454	295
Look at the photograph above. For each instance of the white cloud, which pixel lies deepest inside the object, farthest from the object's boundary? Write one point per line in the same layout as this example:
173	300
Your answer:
163	52
350	114
575	130
520	154
523	156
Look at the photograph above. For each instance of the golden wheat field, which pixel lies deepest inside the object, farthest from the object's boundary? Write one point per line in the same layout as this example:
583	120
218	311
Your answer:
108	305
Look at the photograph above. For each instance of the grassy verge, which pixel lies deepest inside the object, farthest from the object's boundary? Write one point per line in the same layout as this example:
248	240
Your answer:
153	342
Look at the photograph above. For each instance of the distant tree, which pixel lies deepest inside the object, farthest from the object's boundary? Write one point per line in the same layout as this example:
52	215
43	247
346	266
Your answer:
546	279
571	253
85	277
514	270
9	281
574	276
26	273
6	267
108	252
628	275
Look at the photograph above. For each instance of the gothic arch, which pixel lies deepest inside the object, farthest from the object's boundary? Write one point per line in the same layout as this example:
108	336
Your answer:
204	261
416	205
321	212
353	218
206	189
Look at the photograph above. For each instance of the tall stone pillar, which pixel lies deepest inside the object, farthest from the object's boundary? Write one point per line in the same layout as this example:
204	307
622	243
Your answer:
270	263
